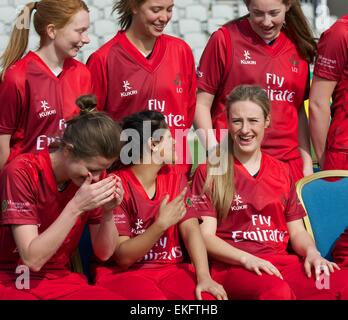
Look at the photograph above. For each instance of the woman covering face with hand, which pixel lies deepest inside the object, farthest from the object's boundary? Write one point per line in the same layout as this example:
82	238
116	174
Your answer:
48	197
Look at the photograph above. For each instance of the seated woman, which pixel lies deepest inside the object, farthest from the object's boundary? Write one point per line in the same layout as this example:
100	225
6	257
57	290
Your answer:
152	219
251	213
48	197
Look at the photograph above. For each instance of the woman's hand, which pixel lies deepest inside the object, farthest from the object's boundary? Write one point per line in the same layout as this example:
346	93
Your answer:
316	261
209	285
255	264
172	212
118	195
93	195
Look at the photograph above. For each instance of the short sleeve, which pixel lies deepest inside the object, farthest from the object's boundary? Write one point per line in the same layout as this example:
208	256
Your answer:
294	209
11	102
332	53
18	195
212	63
201	201
122	219
97	66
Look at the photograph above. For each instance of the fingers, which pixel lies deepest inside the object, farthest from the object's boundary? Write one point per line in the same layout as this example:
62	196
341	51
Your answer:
198	294
307	267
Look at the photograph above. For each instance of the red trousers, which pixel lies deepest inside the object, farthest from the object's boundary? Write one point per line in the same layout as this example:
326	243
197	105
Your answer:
335	160
242	284
72	286
340	251
169	282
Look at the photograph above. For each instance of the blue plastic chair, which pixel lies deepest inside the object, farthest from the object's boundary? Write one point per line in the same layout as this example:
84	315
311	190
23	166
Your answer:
326	203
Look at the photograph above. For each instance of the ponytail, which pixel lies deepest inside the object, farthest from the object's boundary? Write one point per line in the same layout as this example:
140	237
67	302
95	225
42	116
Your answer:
298	30
19	39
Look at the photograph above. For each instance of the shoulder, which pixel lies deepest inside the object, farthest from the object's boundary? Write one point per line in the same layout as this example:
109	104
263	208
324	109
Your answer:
16	74
276	167
338	31
24	168
103	52
177	43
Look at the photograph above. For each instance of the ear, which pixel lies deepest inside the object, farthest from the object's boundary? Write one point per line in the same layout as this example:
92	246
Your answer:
51	31
267	121
68	149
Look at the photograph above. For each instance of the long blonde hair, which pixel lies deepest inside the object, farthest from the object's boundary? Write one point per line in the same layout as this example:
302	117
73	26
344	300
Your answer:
221	187
57	12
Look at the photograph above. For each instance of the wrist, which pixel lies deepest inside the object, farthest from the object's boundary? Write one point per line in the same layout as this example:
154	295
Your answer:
312	251
73	209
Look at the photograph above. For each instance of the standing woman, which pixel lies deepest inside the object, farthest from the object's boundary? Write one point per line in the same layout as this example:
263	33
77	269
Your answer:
38	91
143	69
48	197
330	140
271	47
152	220
251	213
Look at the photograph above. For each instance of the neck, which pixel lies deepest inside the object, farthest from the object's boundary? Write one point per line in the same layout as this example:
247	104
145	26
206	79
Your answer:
143	43
59	171
146	173
50	56
251	162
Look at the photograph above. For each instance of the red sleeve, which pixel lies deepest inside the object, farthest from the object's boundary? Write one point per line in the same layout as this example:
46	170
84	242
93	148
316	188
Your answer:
294	209
191	211
18	195
212	64
12	99
201	201
97	66
122	219
332	53
192	91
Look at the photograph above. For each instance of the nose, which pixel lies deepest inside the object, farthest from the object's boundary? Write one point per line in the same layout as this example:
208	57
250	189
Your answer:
85	38
267	20
165	17
245	127
95	177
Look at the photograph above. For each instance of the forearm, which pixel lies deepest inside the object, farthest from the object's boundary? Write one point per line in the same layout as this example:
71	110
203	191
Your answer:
303	244
106	238
304	141
194	244
203	121
45	245
319	122
220	250
135	248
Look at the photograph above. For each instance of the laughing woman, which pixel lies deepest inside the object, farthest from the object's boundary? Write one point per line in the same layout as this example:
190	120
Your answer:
251	213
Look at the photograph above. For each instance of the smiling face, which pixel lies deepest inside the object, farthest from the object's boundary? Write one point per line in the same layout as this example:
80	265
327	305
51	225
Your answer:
73	36
267	17
152	16
247	126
